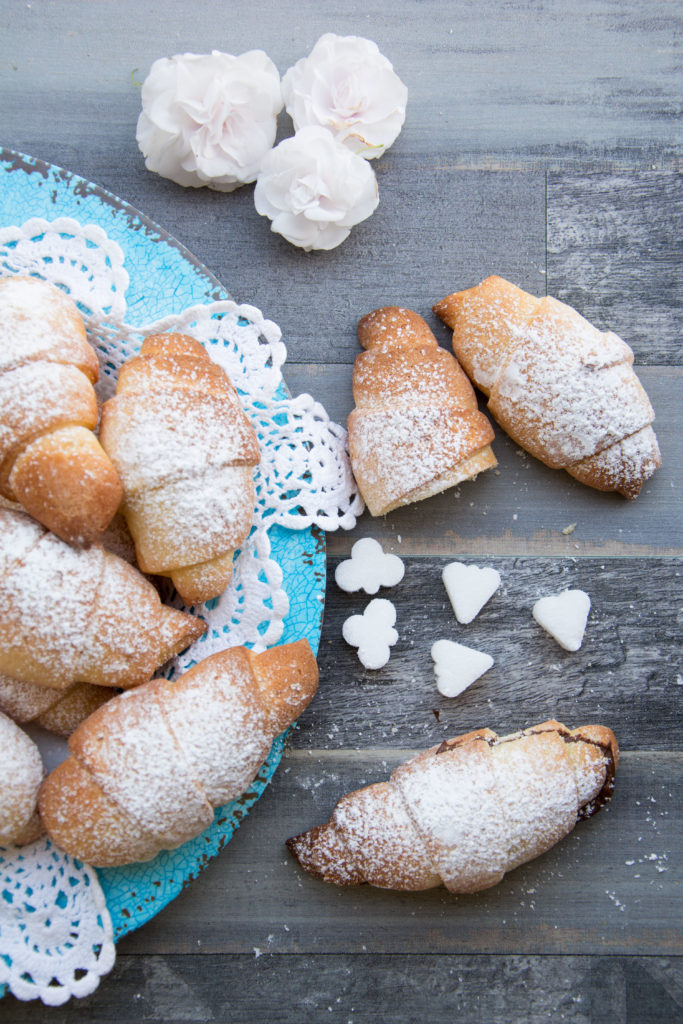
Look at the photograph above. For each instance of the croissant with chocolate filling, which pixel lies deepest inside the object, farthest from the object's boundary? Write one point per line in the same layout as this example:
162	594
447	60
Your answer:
563	390
416	429
51	463
185	452
464	813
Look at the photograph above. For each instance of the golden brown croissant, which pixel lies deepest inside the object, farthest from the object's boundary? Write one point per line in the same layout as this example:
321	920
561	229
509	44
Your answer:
185	452
21	773
51	463
564	391
466	812
416	429
58	711
146	771
71	615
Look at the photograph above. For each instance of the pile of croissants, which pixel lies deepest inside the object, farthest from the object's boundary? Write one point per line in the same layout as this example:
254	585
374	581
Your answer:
83	631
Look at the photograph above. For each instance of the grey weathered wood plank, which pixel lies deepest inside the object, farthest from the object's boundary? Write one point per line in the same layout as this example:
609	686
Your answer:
522	507
478	989
483	77
609	887
615	253
628	673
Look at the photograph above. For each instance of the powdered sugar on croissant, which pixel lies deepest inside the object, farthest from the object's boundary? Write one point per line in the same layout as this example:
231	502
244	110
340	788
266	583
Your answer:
21	773
185	452
146	771
50	460
466	812
71	615
416	429
563	390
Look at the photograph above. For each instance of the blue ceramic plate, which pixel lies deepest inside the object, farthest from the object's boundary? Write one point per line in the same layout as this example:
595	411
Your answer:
164	278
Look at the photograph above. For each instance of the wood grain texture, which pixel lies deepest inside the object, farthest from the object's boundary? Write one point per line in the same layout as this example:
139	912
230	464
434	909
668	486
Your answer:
628	673
488	78
606	888
614	252
244	989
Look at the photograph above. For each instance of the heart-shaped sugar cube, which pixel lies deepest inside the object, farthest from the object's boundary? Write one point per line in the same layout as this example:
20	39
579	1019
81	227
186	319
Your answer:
457	667
564	616
469	587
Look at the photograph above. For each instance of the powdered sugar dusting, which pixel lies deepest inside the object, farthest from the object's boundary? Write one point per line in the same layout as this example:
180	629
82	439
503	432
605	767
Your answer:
566	402
480	806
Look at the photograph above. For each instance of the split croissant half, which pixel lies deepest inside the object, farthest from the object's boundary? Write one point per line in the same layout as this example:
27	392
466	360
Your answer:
146	771
70	615
563	390
51	463
416	429
185	452
464	813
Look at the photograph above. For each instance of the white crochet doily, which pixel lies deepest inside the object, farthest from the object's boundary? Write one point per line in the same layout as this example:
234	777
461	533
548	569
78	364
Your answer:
304	478
54	923
55	931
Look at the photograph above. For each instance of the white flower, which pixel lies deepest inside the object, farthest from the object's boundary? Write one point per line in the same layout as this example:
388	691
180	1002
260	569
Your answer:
209	119
314	189
349	87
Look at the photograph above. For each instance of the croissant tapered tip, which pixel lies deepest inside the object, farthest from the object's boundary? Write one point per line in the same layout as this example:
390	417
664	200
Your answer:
321	853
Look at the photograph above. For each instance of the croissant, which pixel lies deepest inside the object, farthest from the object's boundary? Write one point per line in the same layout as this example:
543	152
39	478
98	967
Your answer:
58	711
466	811
21	773
147	769
70	615
51	463
564	391
185	452
416	429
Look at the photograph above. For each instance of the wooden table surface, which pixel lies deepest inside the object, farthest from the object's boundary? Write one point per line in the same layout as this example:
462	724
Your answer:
543	143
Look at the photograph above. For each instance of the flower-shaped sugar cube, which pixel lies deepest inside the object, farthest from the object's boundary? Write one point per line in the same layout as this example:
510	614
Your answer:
372	633
469	587
456	667
369	568
564	617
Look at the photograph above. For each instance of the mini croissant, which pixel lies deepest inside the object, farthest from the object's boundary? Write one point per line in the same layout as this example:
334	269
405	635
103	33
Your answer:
185	452
146	771
464	813
70	615
51	463
416	429
563	390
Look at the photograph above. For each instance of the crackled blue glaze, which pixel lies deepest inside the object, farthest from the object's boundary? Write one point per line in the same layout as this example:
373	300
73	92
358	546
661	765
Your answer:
165	278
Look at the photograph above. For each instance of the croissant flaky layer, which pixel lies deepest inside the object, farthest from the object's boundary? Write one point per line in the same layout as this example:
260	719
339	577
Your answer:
416	429
50	460
146	770
185	452
464	813
564	391
70	615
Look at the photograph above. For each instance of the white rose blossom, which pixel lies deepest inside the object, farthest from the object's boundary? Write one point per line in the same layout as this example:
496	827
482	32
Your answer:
209	119
349	87
314	189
